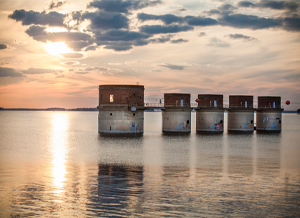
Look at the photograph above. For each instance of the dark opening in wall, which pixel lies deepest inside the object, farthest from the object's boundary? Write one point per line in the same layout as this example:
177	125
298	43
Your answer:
188	122
251	121
110	114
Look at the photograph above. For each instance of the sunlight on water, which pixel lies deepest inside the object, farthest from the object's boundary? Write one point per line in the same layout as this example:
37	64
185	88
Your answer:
59	134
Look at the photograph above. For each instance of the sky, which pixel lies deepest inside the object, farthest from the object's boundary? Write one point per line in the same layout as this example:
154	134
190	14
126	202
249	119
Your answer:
55	53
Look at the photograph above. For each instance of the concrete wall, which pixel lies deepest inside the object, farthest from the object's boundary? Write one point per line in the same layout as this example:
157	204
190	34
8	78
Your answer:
268	120
209	121
176	120
121	121
240	120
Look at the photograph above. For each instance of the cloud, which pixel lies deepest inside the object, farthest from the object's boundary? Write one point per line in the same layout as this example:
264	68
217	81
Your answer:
122	6
95	68
91	48
121	35
170	18
105	21
275	5
240	36
40	71
214	42
31	17
56	4
202	34
179	41
39	34
173	67
158	29
3	46
70	63
167	18
291	23
10	72
248	21
72	55
81	72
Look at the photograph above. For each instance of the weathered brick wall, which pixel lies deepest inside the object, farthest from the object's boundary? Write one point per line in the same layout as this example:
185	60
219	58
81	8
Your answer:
121	94
207	100
267	101
239	101
173	99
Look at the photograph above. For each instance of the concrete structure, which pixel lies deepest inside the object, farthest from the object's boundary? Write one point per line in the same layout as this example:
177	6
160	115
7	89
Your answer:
176	114
240	113
210	113
121	109
269	113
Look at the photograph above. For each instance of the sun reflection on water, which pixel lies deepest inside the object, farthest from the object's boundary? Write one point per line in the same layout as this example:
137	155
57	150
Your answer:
59	133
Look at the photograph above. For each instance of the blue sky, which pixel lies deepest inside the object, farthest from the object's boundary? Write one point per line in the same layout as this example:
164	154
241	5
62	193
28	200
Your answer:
56	53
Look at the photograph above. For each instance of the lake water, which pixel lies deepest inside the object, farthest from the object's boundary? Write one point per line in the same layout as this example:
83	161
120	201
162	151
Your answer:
56	164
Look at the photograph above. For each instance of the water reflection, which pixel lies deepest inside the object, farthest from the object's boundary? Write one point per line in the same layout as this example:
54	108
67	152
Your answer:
119	190
268	154
240	155
59	135
209	155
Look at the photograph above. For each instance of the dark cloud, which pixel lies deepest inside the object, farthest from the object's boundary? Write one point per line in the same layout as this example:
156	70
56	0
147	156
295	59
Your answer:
72	55
122	6
160	40
56	4
226	8
291	23
241	36
170	18
200	21
167	18
158	29
10	72
3	46
214	42
119	46
75	40
105	21
121	35
248	21
179	41
40	71
275	5
173	67
32	17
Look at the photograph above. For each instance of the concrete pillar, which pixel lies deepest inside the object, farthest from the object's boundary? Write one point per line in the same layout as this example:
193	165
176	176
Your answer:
176	115
240	113
269	113
210	113
121	110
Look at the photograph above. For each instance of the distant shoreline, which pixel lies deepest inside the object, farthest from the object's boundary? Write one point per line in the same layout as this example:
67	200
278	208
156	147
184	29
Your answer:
87	109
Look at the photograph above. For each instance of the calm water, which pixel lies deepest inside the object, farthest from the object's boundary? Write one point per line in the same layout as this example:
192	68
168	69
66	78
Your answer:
56	164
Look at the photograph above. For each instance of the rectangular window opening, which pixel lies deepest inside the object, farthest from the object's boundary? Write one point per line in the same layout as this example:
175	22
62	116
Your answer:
111	98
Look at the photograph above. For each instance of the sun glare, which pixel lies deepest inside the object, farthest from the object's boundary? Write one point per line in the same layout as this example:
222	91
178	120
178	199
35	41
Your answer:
59	136
56	48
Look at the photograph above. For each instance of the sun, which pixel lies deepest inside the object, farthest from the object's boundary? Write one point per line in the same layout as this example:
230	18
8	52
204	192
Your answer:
57	48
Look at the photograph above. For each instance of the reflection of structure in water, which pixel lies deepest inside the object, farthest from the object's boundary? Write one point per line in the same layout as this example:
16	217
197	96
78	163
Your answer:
268	155
240	158
120	188
209	155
